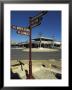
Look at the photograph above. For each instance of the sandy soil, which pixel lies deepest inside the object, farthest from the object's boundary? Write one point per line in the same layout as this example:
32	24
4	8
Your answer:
41	69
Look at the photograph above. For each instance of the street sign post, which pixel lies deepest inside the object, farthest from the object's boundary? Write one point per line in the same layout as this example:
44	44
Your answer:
30	55
33	22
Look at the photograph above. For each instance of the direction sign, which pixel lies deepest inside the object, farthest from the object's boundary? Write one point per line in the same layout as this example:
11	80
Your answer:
35	22
23	32
20	28
34	25
23	28
39	15
44	12
14	27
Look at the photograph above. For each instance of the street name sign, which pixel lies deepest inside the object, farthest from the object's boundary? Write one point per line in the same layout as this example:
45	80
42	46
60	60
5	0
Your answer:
23	32
23	28
36	20
20	28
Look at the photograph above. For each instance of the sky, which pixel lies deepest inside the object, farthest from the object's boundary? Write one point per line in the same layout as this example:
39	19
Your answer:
50	25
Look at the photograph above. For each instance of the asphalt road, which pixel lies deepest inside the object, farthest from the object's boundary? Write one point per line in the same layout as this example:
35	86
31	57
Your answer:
18	54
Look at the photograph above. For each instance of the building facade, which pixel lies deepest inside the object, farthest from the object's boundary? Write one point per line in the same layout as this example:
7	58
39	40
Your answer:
41	42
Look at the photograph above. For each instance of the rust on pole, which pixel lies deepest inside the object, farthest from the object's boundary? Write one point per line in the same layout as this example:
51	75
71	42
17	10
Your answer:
30	54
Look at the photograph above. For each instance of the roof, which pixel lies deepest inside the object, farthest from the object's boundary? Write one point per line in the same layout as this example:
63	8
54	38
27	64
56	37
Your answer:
43	38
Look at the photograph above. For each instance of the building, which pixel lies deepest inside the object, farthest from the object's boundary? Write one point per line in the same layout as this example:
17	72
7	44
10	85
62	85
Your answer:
41	42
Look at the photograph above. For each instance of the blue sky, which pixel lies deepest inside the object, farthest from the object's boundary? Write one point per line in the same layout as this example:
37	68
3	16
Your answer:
50	25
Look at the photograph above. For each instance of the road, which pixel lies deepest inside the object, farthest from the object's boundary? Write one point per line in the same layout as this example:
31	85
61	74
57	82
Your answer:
22	55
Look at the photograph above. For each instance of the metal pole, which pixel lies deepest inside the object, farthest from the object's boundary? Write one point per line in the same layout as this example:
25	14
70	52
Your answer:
30	55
